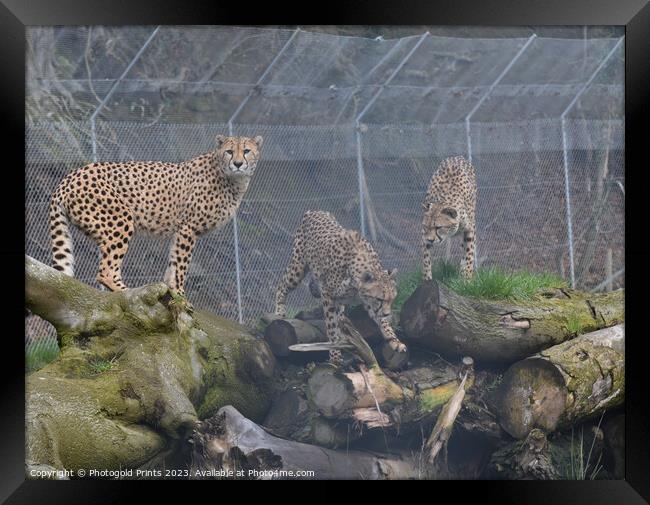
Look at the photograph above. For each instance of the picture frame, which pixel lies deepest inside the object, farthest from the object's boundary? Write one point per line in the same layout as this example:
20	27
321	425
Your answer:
634	15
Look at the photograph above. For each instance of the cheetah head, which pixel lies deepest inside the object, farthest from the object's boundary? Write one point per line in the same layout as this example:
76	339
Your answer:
440	221
239	155
377	291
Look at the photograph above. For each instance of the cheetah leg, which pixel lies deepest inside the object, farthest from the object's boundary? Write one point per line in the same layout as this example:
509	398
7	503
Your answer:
331	315
180	254
112	228
293	275
386	329
113	250
426	260
469	245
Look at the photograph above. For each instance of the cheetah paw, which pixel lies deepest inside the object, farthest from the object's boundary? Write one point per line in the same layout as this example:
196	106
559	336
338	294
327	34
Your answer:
179	303
397	345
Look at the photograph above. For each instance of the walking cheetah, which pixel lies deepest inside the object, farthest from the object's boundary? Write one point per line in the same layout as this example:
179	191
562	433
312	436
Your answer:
450	207
344	265
110	201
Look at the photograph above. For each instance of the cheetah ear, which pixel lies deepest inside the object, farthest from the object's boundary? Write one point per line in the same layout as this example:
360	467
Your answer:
427	205
452	213
220	139
258	140
367	277
392	273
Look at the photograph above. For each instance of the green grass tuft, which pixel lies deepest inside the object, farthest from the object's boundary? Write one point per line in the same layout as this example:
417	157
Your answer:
99	365
406	284
39	355
492	283
574	325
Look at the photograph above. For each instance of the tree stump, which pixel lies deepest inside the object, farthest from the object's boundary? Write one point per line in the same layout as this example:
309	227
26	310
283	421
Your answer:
137	369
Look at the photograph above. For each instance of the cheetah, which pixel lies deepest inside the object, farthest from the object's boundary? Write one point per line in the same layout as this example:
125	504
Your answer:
344	266
449	208
111	201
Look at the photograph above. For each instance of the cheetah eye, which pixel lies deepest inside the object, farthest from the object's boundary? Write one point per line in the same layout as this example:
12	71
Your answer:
229	152
246	151
450	212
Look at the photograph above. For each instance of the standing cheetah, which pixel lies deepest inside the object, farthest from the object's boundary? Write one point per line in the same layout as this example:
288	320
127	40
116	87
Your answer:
110	201
344	265
450	207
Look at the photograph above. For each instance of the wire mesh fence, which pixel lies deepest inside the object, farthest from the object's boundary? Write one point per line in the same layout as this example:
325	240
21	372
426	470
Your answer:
351	125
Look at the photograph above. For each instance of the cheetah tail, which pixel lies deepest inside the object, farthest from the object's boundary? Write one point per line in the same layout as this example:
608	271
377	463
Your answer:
62	256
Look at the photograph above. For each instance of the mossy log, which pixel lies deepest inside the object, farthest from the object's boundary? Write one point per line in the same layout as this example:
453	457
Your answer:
228	444
137	369
503	332
564	384
327	406
370	398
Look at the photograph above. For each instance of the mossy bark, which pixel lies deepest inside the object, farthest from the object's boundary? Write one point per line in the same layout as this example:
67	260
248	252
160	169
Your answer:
371	399
564	384
137	369
502	331
228	442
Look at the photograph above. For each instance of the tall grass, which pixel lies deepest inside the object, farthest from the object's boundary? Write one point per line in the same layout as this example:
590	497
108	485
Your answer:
580	465
492	283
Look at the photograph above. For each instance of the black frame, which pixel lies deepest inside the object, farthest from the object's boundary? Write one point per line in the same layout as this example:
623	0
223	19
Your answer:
634	14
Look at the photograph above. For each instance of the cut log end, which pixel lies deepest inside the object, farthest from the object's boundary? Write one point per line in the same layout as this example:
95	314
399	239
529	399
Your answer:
419	313
279	334
532	395
330	390
564	384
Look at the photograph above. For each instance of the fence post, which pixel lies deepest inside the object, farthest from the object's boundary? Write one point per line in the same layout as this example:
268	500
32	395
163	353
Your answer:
489	91
468	118
360	176
360	171
565	151
235	225
93	135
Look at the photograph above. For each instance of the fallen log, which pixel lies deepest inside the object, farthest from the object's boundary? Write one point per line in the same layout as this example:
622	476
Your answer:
137	369
374	400
291	416
503	332
564	384
280	334
300	333
335	408
229	445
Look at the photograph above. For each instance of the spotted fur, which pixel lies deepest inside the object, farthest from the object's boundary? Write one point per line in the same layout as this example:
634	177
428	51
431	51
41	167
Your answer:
449	208
345	267
111	201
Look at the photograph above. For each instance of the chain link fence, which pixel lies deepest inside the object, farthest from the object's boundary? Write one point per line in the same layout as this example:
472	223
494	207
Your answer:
355	126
